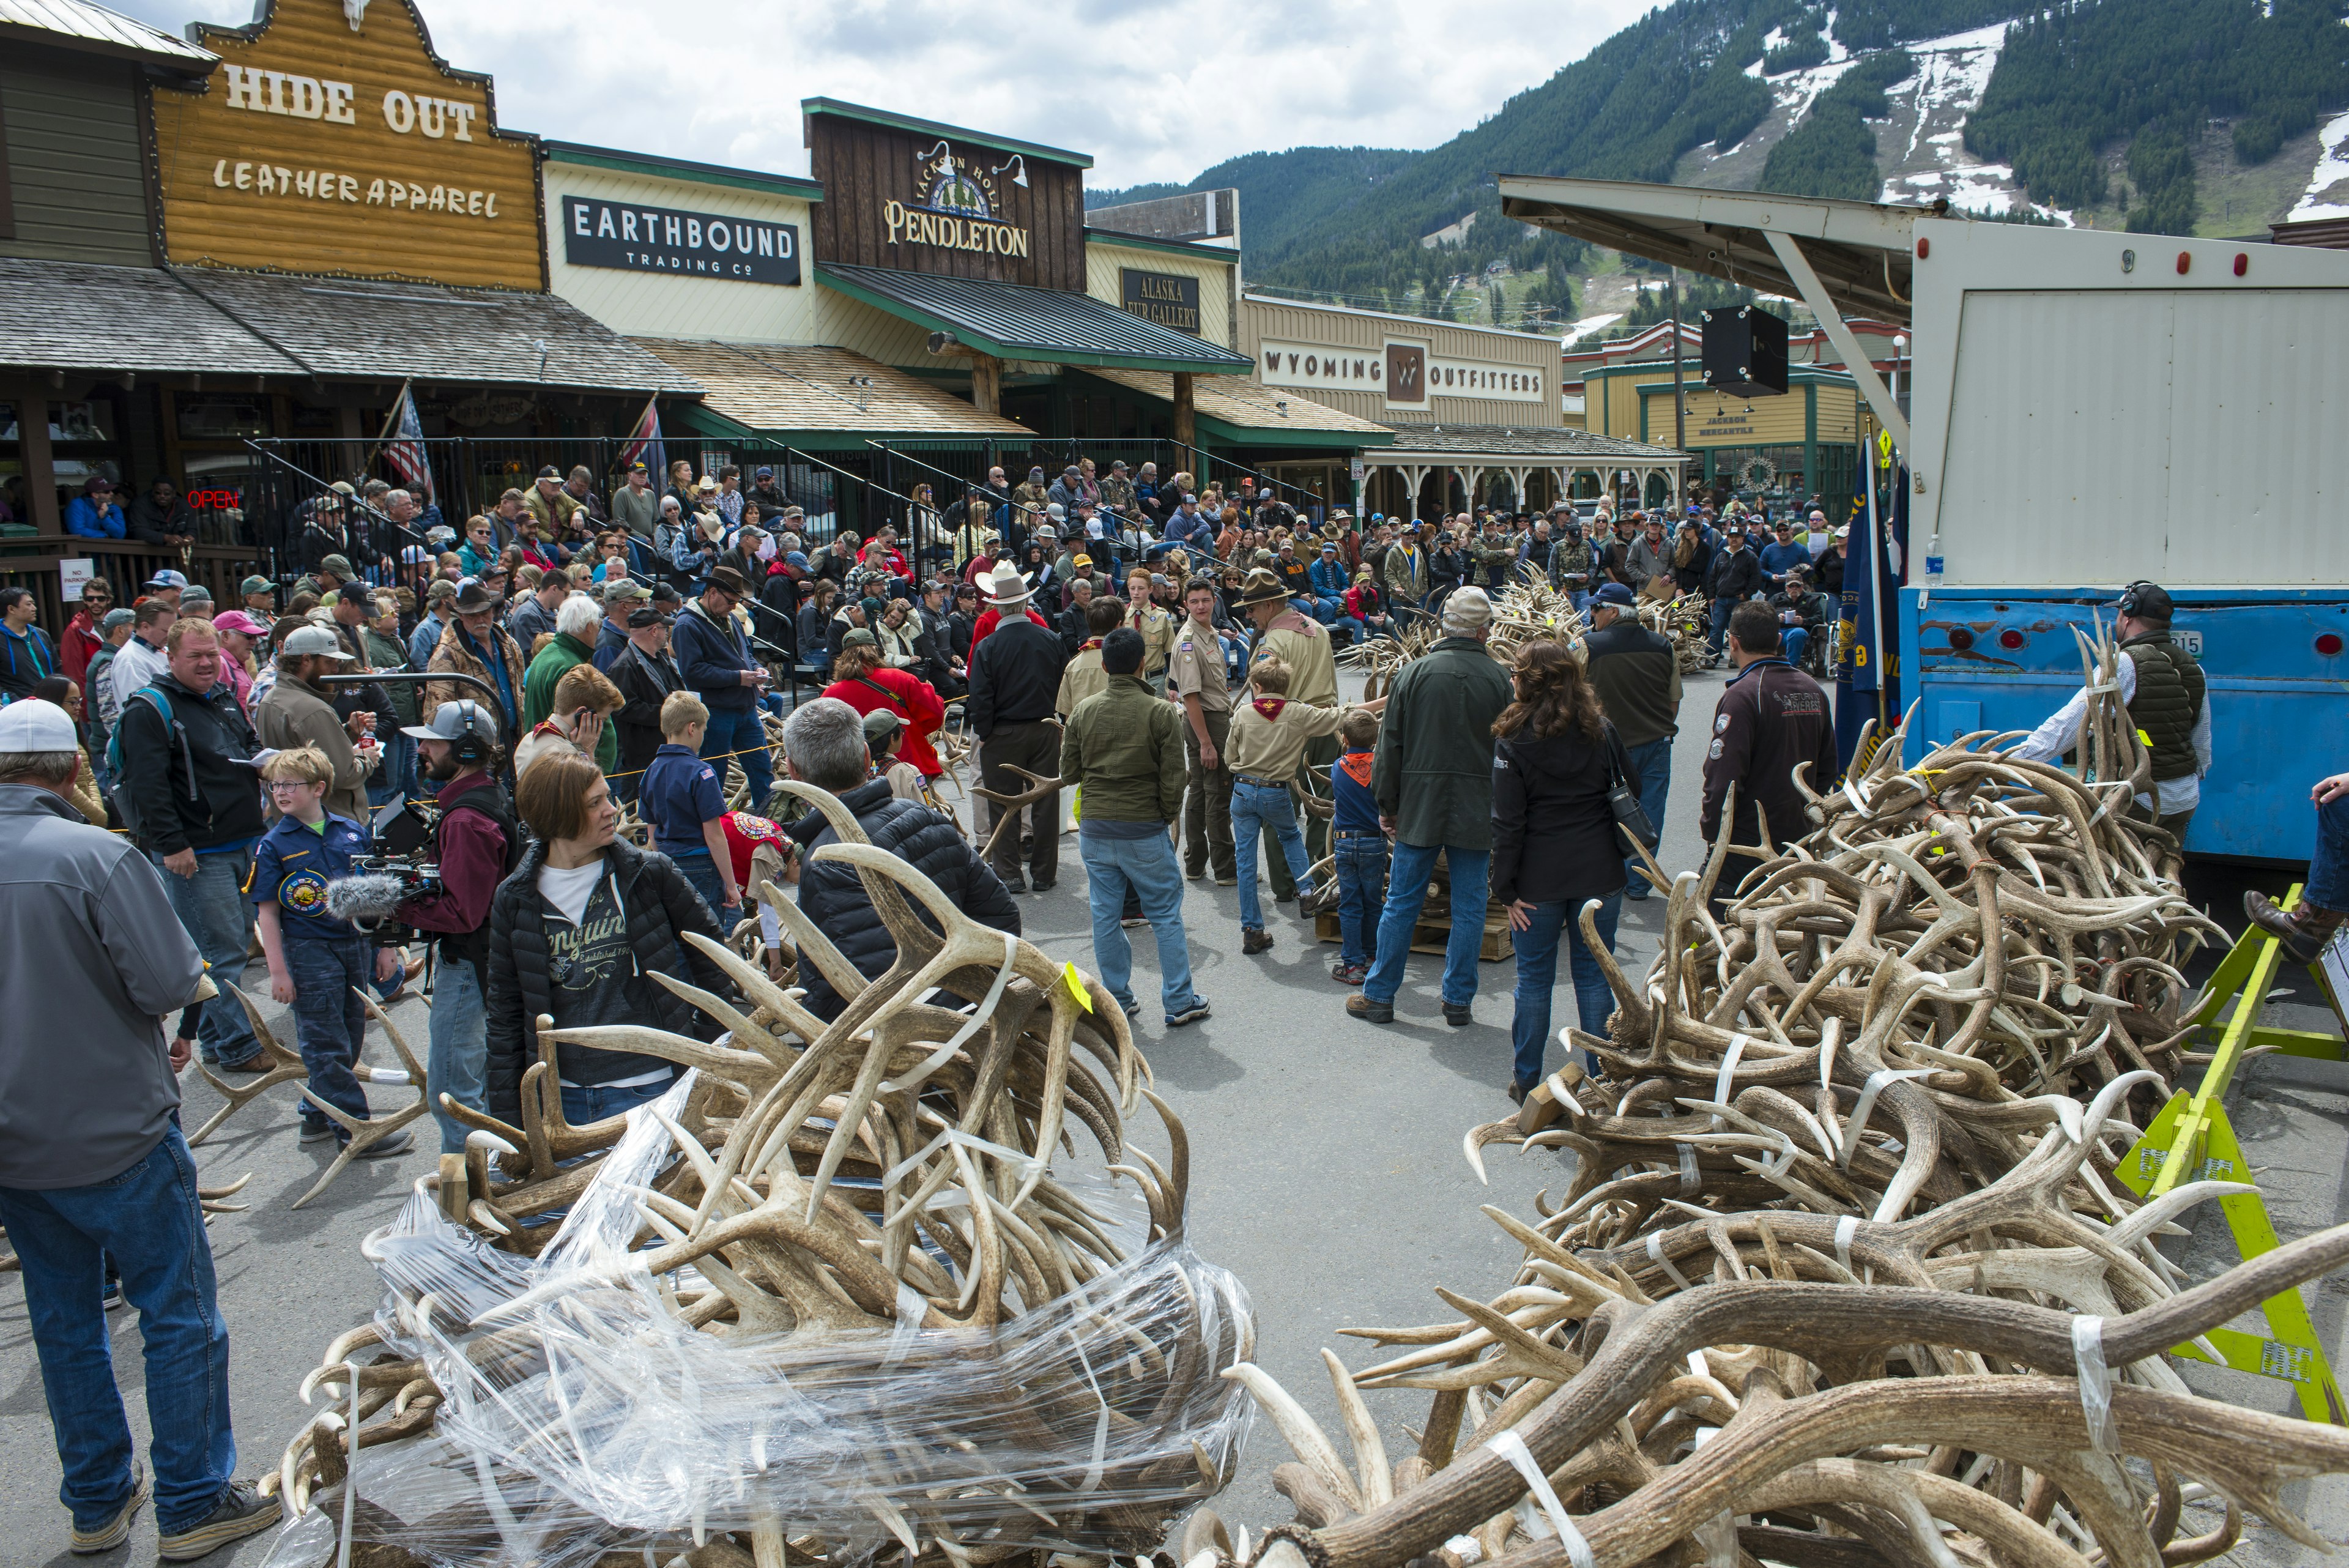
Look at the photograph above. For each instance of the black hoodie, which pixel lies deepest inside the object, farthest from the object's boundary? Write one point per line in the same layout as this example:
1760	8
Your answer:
1553	832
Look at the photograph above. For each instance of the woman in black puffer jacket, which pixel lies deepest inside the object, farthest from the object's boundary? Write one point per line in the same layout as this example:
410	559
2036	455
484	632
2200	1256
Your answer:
1555	844
578	931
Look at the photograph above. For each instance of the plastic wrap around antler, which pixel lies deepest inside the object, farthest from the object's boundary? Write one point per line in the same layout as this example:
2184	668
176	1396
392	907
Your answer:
827	1297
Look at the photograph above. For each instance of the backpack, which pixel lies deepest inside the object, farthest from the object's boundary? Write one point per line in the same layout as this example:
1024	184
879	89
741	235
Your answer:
125	804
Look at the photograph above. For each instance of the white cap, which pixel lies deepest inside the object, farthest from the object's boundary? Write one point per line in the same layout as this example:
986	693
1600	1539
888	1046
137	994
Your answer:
315	639
29	724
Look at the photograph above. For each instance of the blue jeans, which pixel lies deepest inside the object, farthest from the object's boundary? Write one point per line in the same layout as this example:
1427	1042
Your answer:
1580	599
1654	762
147	1223
700	868
1355	623
583	1103
1718	625
211	905
1537	978
1147	866
739	729
397	777
1258	809
1794	641
2328	868
1361	860
457	1058
329	1021
1406	893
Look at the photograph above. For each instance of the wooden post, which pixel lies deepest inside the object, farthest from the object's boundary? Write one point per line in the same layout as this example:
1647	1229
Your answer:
1185	415
40	471
987	383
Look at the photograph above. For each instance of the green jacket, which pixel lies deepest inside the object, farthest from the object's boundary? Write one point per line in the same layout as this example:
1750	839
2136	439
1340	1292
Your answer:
538	692
1124	747
1432	769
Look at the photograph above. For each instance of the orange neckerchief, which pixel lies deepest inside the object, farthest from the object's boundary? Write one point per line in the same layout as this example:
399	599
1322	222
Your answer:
1089	643
1270	707
1357	767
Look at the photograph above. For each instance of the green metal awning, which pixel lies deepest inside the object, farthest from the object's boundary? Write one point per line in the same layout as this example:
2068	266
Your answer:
1015	321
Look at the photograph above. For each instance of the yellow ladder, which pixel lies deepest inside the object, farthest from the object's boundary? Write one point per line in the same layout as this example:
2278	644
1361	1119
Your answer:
2191	1140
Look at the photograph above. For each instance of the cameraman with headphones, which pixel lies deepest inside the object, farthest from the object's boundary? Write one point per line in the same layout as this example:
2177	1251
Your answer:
478	842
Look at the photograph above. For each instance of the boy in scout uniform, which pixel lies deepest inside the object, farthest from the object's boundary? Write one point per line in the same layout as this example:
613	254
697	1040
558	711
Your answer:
1156	626
1196	679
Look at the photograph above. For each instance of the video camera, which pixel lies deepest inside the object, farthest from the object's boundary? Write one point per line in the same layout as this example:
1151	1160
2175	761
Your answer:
405	868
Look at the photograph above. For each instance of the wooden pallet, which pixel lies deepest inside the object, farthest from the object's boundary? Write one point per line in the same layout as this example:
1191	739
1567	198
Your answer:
1433	936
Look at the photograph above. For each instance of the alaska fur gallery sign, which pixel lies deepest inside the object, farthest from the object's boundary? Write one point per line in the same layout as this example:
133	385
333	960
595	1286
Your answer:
332	140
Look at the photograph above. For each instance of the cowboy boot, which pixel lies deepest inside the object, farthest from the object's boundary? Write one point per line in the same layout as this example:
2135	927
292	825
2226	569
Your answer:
2302	933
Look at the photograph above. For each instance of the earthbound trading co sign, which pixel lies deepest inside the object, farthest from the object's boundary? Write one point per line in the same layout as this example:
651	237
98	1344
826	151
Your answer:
597	232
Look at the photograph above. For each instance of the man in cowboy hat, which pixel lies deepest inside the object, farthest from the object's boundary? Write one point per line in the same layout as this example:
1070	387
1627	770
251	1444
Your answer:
719	668
1015	678
1303	644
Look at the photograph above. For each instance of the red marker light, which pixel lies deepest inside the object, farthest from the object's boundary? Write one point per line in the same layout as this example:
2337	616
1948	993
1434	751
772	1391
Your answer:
1924	249
2243	263
2184	261
2010	639
2328	645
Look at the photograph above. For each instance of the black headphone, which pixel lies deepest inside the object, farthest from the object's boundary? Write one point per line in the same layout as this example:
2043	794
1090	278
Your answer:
469	747
2132	597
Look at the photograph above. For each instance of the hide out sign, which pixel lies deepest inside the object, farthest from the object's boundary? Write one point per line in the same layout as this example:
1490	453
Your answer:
599	232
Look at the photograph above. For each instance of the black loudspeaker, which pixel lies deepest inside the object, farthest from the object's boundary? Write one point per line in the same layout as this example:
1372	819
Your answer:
1745	351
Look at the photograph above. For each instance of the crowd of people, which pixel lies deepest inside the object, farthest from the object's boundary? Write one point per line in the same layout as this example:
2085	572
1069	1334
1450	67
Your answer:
554	706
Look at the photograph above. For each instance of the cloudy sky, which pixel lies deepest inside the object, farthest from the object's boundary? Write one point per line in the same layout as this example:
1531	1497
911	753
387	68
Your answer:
1155	89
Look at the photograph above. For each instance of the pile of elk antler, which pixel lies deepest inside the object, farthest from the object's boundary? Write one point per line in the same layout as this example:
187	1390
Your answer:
1843	1276
827	1292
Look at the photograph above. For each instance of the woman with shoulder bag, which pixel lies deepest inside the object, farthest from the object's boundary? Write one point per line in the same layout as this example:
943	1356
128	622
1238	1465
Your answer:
1555	843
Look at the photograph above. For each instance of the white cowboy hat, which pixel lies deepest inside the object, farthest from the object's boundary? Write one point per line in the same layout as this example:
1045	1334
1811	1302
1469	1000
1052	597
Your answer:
1005	585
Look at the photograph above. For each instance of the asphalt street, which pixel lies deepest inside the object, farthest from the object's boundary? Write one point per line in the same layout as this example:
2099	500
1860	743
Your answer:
1327	1173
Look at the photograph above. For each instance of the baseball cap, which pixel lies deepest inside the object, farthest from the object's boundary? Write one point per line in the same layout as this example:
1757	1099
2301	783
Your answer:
317	639
1056	512
765	473
1615	593
453	721
1328	549
29	724
619	590
115	618
880	722
646	615
859	637
252	585
167	578
237	620
550	472
1843	533
339	566
638	467
441	588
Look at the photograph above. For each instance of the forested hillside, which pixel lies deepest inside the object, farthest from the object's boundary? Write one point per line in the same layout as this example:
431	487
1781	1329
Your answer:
2093	102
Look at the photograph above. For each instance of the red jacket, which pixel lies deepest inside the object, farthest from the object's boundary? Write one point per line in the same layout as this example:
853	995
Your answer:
82	642
988	620
911	698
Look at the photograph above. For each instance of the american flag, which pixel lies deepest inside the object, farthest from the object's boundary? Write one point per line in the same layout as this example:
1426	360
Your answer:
644	443
405	450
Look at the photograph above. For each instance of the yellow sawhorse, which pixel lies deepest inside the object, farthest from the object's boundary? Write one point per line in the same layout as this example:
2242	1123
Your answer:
2191	1140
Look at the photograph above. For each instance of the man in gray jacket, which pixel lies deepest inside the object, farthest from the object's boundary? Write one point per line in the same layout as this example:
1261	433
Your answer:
93	1168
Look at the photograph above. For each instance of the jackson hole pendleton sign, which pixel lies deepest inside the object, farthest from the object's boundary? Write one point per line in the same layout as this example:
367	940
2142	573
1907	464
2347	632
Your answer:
915	197
332	140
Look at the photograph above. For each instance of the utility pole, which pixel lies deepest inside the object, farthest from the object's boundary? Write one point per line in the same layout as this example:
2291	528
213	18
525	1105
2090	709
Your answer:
1680	393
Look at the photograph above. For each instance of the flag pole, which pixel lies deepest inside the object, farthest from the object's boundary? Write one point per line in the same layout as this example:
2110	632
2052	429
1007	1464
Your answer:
390	418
